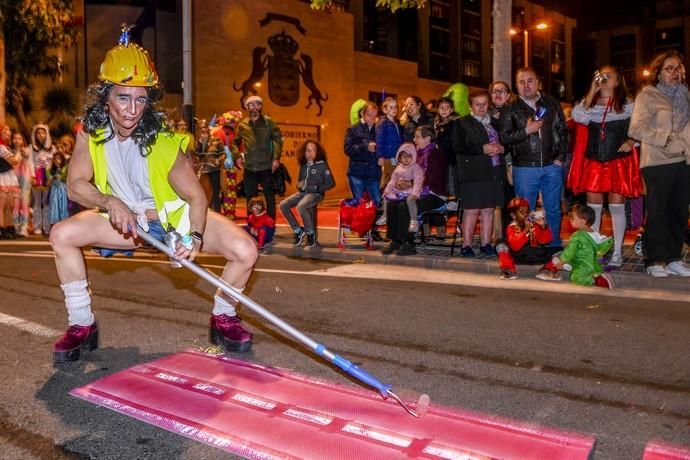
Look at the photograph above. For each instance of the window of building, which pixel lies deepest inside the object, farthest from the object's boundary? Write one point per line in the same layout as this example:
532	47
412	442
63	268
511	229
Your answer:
471	69
470	42
669	38
558	32
375	28
623	56
557	88
471	48
439	66
439	10
471	24
557	58
439	39
537	59
557	62
472	5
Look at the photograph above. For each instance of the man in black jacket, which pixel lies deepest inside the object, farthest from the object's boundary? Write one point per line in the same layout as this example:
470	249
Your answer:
538	146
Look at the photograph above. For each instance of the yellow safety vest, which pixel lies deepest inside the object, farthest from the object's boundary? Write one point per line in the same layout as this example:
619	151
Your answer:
171	208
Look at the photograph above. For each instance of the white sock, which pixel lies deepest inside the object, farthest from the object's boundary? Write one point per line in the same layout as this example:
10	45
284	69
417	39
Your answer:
597	215
224	304
78	303
620	221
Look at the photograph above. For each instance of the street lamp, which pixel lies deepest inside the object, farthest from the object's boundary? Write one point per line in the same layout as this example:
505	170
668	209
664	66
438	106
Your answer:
525	41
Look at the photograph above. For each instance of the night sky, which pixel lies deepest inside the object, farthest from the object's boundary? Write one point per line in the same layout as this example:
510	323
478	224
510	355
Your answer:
605	13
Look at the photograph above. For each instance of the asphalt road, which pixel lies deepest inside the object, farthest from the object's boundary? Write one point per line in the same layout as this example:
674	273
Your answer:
616	368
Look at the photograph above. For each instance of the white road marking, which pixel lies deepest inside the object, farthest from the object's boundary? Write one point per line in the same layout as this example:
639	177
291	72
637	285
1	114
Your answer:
28	326
435	276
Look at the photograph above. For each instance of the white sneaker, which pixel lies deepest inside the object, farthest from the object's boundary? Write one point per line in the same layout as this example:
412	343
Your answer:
616	260
38	232
452	206
381	220
657	271
678	268
546	275
414	226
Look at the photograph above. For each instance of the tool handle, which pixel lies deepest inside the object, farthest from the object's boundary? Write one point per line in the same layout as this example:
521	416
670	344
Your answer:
362	375
307	341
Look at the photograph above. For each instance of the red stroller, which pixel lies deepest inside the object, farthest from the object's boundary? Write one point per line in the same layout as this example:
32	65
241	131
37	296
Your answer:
355	223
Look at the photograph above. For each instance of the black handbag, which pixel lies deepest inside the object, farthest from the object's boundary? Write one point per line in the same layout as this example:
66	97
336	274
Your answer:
280	177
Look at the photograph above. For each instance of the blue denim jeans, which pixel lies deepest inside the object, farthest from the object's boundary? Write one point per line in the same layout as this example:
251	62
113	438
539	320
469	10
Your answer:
359	186
548	180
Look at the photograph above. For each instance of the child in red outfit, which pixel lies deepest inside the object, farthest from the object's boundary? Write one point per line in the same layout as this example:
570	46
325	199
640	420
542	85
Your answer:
260	225
527	237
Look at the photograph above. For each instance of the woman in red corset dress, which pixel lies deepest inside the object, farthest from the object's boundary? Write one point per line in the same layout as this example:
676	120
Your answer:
604	161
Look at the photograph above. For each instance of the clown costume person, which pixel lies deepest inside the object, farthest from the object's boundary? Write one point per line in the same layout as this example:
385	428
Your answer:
226	133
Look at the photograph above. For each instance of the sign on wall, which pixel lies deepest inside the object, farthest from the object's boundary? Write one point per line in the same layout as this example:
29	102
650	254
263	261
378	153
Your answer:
295	134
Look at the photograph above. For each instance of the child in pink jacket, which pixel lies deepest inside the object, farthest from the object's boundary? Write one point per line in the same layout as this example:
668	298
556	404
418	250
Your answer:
406	182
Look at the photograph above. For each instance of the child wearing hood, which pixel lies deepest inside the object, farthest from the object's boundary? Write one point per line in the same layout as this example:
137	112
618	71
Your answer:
406	182
42	151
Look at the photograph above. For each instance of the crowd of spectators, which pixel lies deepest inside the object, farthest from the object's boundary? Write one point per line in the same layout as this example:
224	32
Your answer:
33	178
431	158
614	149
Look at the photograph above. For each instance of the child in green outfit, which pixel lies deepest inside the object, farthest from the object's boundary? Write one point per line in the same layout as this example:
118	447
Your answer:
584	250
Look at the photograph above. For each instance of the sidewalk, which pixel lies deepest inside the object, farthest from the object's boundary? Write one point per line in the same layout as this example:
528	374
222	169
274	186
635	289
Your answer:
435	254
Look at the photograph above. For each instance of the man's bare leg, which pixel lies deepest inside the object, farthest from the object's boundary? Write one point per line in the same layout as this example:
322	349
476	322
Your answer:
67	239
225	238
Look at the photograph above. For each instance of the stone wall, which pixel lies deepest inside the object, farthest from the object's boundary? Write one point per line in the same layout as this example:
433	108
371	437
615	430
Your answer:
227	33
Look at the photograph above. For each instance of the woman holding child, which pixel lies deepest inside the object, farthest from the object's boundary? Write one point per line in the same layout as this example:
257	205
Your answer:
401	228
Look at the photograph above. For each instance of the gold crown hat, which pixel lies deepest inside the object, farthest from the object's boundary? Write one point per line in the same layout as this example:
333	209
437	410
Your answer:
128	64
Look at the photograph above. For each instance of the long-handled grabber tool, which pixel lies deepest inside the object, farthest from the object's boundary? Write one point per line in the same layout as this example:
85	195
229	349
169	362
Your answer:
359	374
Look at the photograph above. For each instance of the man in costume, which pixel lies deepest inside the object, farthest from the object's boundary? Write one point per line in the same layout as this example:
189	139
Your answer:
133	175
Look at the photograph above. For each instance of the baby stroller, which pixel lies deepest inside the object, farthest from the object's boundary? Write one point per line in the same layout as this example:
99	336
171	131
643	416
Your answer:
355	223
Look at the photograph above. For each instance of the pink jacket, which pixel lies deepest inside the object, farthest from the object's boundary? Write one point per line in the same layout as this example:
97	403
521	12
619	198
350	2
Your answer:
412	172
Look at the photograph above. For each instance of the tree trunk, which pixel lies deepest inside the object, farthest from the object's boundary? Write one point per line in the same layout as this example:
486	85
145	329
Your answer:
3	81
502	13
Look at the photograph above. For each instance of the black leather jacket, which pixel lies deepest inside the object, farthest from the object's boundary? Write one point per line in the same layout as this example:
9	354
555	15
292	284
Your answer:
532	150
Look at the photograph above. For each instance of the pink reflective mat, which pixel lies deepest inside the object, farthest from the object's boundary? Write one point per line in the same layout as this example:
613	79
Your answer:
262	412
660	450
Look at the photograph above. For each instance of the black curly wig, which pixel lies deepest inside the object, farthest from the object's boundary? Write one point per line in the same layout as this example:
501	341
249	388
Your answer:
152	122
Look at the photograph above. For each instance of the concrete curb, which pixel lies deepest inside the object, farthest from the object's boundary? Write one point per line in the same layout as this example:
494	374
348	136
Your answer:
623	279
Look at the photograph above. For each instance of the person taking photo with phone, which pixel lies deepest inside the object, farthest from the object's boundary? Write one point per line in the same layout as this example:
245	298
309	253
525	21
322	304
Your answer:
534	128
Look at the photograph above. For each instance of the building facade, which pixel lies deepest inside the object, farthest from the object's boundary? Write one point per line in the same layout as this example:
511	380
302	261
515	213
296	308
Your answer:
451	40
310	66
630	39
